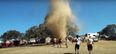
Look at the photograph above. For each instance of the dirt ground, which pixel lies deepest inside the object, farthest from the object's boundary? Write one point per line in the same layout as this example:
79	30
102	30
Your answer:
101	47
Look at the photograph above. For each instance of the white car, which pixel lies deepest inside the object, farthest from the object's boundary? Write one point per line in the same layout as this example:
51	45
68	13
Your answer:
95	39
32	41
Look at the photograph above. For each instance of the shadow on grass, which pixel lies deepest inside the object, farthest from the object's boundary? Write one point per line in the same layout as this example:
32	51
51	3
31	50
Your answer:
37	45
69	53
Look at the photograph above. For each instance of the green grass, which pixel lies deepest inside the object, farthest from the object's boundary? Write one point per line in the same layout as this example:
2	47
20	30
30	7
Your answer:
101	47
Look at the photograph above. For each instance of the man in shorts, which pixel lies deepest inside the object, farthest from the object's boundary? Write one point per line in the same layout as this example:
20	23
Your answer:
90	45
77	45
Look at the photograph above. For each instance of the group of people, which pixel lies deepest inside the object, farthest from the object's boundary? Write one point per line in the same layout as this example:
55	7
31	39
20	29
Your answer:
89	45
57	42
78	41
54	41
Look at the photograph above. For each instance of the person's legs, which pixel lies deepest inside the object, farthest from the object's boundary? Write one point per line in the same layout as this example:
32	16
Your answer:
90	51
66	45
90	47
60	45
77	48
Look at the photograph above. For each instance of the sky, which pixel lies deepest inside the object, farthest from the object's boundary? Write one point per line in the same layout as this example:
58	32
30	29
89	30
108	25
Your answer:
92	16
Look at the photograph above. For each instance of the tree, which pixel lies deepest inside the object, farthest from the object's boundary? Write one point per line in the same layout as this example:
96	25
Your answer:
11	34
42	31
109	30
31	32
72	29
37	31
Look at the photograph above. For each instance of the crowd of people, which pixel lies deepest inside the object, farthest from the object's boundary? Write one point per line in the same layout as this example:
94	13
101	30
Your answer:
54	41
77	40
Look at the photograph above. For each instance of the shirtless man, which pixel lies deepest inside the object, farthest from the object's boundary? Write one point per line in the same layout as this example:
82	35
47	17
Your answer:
90	45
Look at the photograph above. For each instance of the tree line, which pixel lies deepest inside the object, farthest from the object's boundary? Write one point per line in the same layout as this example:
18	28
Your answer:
42	31
33	32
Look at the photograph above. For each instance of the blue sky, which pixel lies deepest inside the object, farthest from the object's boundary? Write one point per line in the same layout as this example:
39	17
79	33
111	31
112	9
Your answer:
22	14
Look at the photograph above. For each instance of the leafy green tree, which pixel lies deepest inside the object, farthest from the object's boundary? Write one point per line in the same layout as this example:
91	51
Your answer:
42	31
31	32
37	31
11	34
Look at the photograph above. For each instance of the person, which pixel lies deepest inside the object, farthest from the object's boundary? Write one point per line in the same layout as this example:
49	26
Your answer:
90	44
59	43
66	42
54	42
77	45
48	39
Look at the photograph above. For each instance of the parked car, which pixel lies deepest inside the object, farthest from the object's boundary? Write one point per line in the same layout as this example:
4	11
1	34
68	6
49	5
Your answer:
1	43
32	41
95	39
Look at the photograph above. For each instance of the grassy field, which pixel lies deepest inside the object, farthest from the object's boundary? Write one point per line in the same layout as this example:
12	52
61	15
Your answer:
101	47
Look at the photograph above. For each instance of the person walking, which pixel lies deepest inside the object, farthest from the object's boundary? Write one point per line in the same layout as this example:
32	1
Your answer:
90	44
59	43
66	42
77	45
54	42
